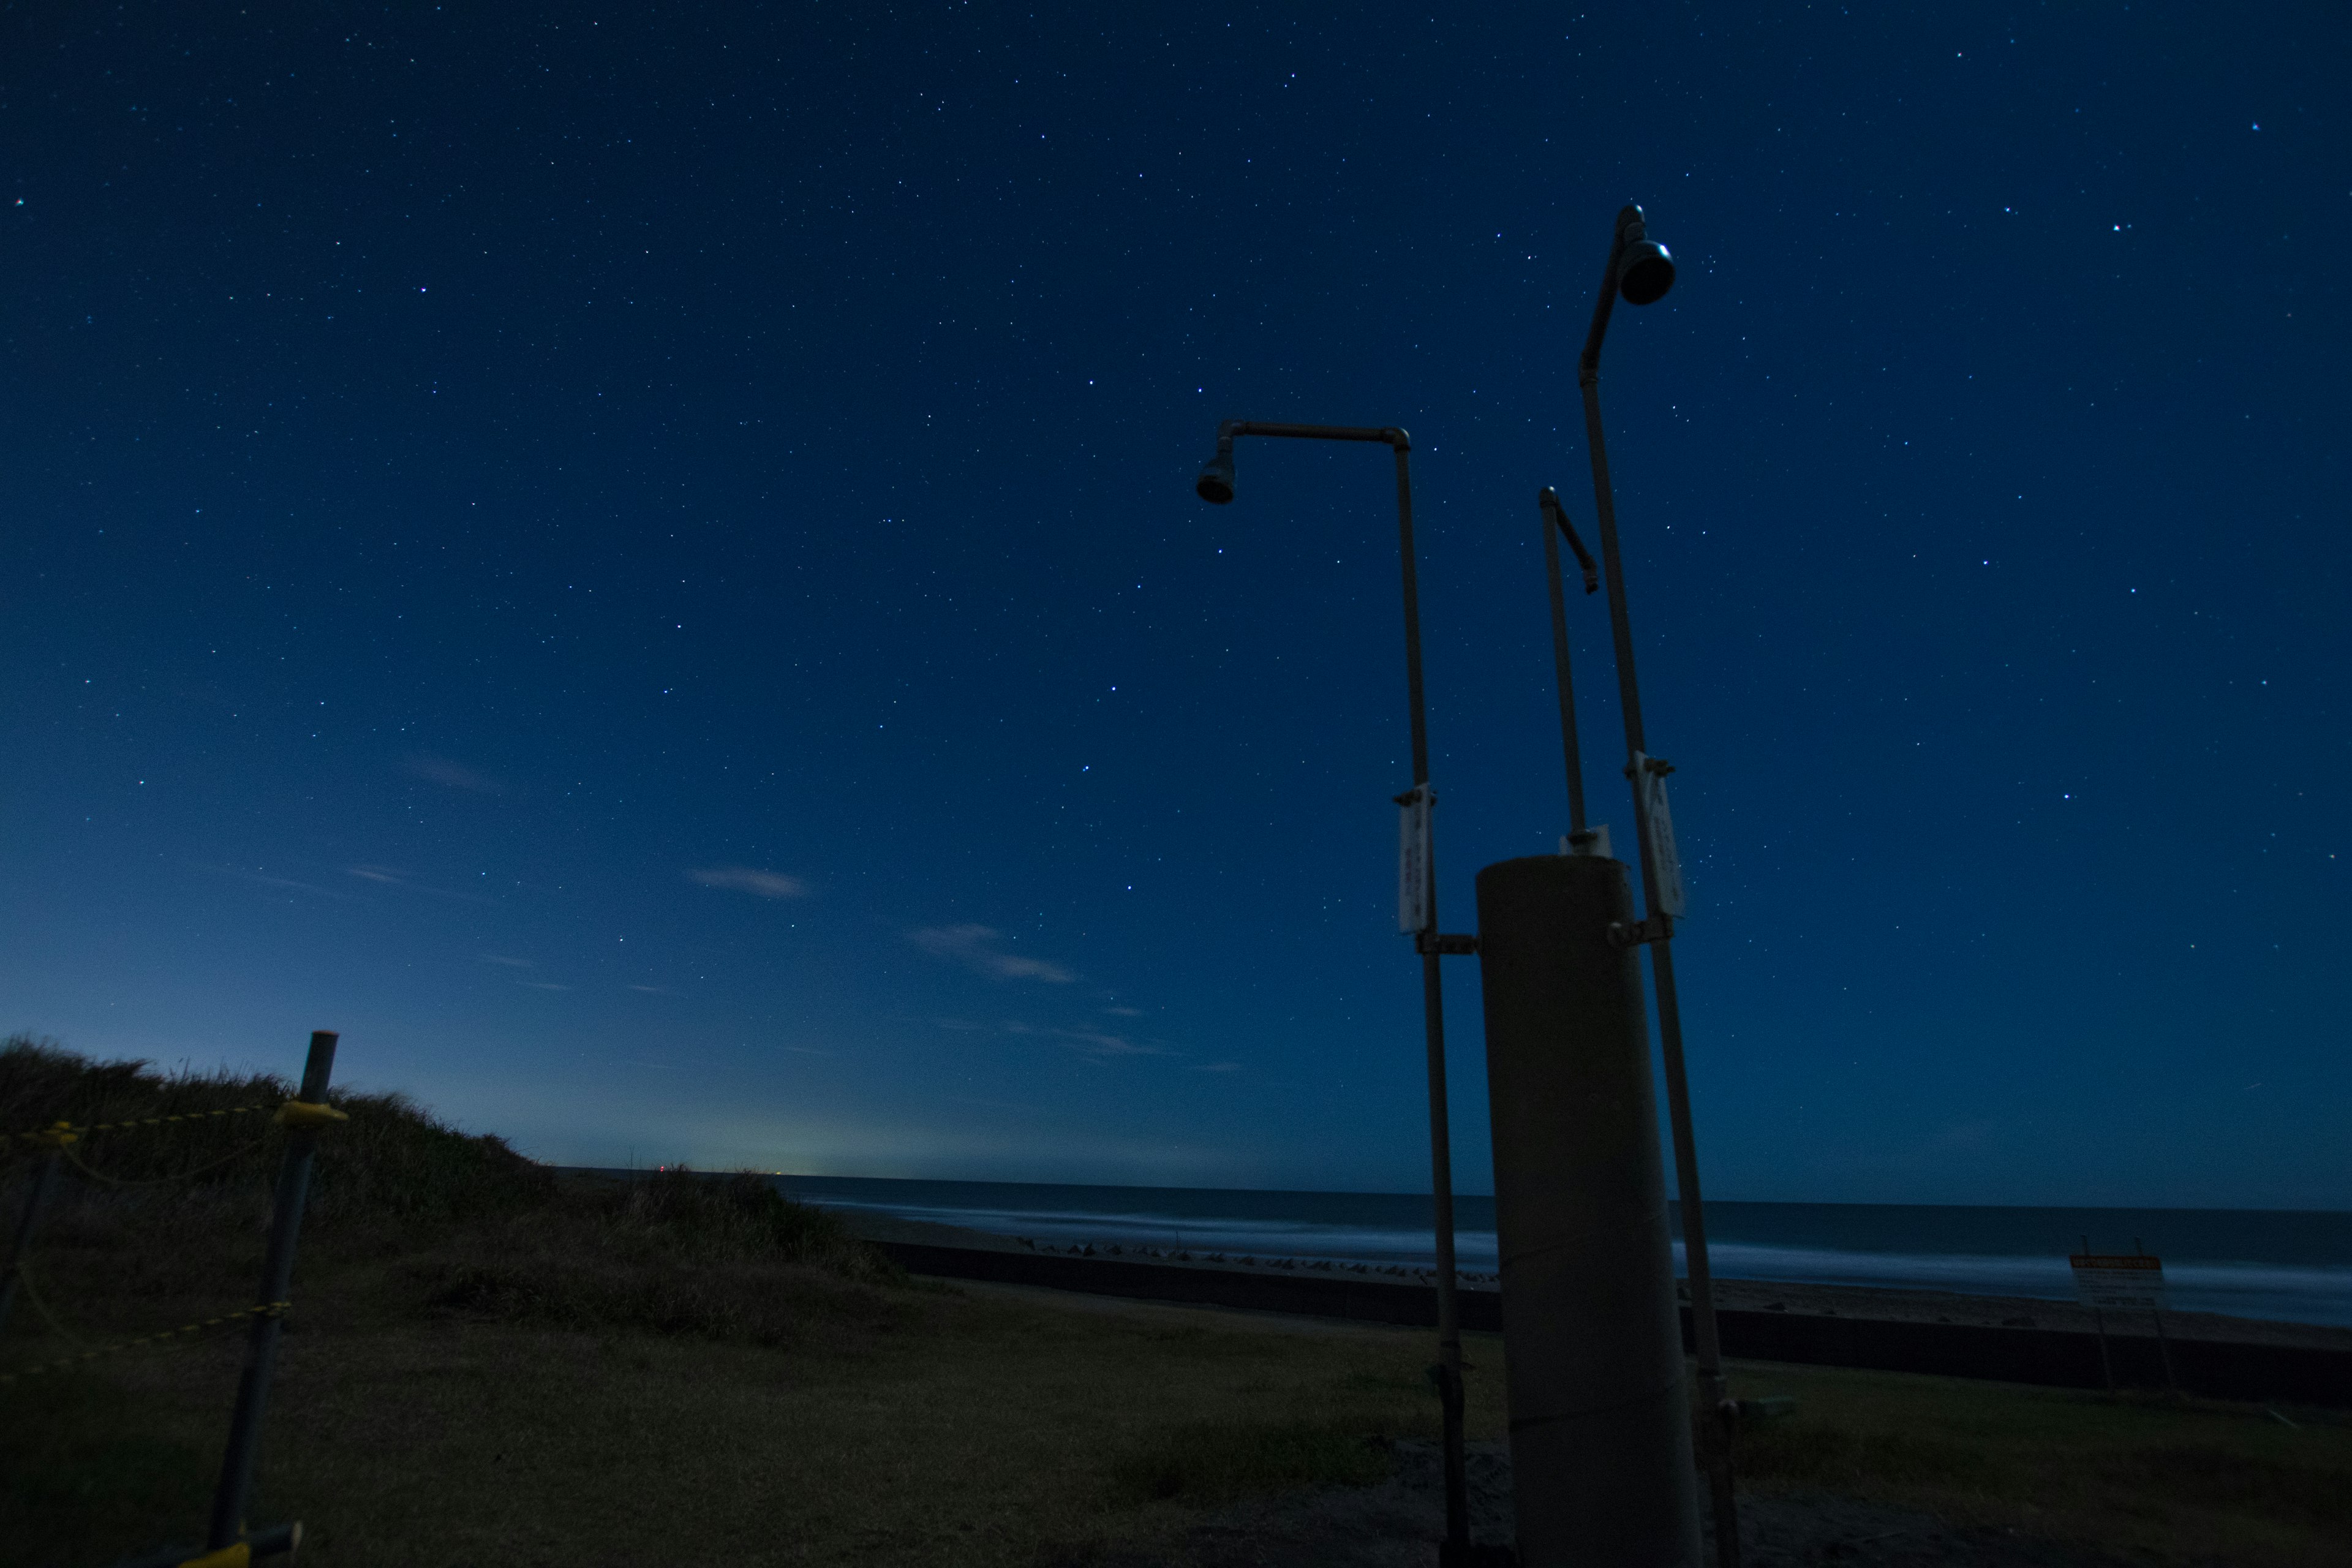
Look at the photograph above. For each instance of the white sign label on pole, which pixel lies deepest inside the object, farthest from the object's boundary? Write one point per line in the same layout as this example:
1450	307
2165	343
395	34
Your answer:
1414	902
2116	1282
1665	863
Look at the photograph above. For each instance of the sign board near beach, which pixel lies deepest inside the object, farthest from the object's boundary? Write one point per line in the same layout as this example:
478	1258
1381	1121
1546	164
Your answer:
2118	1281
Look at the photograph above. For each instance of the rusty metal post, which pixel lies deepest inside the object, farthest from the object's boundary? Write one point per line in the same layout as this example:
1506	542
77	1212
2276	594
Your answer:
277	1281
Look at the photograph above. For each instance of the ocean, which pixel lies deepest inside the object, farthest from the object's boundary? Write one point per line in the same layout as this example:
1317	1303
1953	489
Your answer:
2295	1266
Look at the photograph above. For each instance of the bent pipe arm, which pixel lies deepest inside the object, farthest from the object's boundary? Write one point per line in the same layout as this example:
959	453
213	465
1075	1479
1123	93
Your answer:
1548	499
1388	435
1629	229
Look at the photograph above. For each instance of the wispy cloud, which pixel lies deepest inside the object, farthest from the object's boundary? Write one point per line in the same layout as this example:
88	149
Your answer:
1124	1012
744	880
287	882
454	775
543	986
509	962
655	990
1090	1042
1218	1066
1095	1043
992	1104
980	949
390	876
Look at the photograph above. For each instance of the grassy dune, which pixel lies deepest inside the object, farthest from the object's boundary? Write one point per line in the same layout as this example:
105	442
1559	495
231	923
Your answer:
489	1366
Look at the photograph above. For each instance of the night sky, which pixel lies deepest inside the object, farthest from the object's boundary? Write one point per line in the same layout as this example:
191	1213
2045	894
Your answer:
642	564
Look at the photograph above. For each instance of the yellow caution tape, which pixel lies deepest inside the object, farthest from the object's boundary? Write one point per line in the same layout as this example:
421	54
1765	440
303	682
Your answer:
267	1310
238	1554
60	1133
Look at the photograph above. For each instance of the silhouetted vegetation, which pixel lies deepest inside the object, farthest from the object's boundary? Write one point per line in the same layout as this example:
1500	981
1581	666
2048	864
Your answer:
674	1252
392	1162
466	1224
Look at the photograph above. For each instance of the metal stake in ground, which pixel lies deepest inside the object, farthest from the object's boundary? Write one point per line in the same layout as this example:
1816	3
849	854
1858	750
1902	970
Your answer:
277	1281
1216	486
1641	270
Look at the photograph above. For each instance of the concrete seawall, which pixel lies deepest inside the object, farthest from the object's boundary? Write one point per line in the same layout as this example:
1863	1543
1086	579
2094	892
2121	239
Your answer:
2306	1374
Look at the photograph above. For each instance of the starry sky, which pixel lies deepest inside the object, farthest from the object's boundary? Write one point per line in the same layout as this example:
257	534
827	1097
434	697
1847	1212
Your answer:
642	563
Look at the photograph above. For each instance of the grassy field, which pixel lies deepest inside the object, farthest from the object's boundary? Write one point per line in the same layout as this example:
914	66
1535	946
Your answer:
2182	1480
486	1367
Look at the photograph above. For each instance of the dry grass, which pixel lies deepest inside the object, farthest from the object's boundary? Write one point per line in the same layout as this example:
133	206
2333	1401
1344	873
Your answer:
2186	1480
965	1431
524	1370
670	1253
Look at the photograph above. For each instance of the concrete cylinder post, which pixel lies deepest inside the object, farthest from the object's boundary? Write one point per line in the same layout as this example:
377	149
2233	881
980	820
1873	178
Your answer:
1601	1464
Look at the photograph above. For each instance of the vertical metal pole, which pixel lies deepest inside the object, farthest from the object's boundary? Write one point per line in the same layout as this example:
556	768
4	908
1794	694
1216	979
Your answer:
1412	615
36	1199
1714	1396
277	1280
1449	1320
1432	1013
1559	667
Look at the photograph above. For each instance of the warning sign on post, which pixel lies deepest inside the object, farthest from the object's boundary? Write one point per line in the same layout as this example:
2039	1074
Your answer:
1666	861
1415	900
2118	1281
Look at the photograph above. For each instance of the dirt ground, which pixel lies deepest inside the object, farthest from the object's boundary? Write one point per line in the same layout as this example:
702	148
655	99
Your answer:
1400	1522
